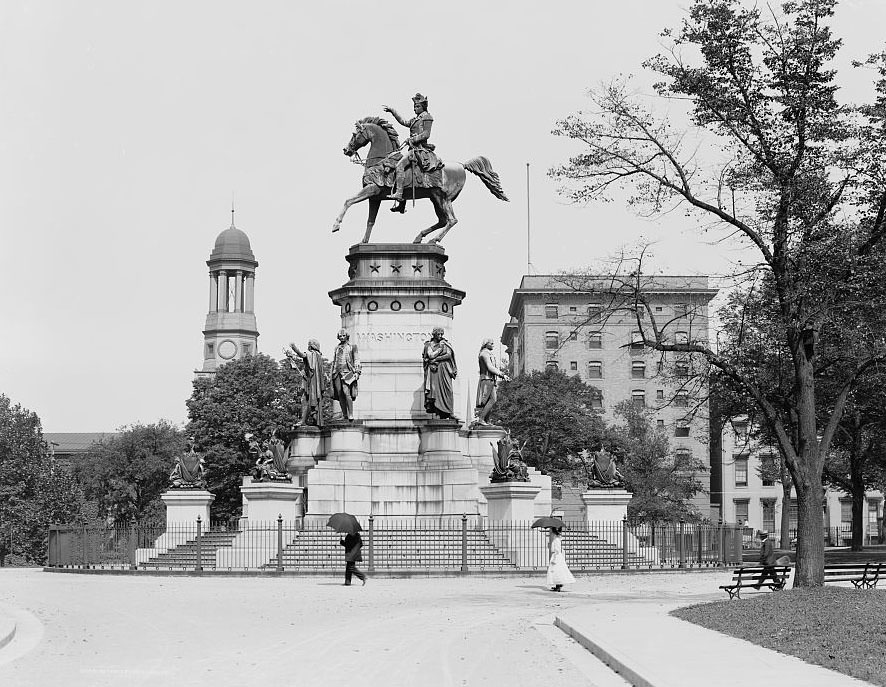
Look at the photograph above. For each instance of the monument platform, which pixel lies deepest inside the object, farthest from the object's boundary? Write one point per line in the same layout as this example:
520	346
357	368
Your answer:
397	459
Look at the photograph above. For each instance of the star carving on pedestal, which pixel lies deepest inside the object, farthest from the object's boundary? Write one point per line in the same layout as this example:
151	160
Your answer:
374	268
417	268
441	270
396	268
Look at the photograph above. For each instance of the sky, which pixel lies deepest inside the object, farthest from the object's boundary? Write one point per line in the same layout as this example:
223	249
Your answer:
127	129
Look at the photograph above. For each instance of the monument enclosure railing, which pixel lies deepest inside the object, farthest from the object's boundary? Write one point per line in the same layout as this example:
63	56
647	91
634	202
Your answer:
456	543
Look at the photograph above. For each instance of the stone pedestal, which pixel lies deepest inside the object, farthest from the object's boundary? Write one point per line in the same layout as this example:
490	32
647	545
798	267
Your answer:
512	501
256	540
606	505
183	507
395	295
605	508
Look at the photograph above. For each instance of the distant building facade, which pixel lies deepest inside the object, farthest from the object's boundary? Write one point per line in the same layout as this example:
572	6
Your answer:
746	494
572	325
230	331
67	447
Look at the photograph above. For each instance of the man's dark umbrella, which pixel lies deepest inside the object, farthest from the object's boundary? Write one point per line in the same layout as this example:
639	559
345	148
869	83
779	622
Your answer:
344	522
549	521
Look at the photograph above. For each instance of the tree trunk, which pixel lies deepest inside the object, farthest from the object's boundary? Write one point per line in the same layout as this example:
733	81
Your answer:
810	536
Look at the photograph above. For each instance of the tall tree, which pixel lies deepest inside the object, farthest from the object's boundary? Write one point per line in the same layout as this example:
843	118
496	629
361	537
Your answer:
251	395
126	473
774	160
551	413
33	492
661	480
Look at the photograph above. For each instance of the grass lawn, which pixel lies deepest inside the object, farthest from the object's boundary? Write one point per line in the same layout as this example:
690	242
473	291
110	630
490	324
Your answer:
839	628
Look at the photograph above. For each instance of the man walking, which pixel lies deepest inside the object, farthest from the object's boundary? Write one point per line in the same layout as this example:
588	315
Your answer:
353	544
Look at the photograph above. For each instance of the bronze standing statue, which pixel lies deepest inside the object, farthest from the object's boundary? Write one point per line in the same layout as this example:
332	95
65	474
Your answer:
390	175
345	373
315	382
440	370
487	387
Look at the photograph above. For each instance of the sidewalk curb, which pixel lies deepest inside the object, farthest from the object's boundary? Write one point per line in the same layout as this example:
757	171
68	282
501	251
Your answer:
8	628
610	657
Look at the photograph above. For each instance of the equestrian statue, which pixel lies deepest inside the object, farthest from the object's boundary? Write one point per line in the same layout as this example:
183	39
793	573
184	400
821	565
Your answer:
389	174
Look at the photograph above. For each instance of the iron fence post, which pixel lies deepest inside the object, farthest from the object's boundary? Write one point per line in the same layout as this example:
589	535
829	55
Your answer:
464	542
682	563
279	542
199	568
85	547
624	543
371	544
49	556
722	541
698	531
133	545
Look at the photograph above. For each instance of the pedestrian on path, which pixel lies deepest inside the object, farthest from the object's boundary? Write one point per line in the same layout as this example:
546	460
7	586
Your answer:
558	572
767	560
353	544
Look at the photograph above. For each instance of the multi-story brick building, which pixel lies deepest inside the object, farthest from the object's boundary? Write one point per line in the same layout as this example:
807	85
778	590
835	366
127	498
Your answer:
588	326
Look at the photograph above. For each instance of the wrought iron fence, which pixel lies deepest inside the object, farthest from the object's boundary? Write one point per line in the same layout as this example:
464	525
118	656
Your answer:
446	543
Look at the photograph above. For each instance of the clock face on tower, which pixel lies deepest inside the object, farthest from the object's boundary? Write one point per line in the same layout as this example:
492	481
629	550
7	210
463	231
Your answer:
227	349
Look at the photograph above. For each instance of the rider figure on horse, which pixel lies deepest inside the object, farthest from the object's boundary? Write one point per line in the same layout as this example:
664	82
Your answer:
420	157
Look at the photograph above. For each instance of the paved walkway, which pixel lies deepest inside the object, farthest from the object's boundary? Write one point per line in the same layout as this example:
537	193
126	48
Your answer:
92	630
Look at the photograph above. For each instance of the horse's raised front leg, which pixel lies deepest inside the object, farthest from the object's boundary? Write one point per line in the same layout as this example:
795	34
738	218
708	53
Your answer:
363	194
374	204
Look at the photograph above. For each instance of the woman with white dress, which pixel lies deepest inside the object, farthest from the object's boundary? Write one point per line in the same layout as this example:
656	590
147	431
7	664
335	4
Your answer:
558	572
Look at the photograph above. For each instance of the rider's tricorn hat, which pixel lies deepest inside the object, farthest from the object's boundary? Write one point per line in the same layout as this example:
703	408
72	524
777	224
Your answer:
419	98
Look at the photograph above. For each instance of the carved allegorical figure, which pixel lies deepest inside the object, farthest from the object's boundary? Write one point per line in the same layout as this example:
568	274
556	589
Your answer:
487	387
507	462
440	370
315	382
604	471
345	373
187	473
388	174
270	459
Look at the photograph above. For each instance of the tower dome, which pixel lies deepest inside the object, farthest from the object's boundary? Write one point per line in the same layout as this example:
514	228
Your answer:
232	244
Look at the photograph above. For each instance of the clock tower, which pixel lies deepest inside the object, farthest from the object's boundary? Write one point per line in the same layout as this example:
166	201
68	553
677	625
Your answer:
230	332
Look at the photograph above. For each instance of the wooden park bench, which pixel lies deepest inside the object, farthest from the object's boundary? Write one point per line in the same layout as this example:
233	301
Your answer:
862	575
749	576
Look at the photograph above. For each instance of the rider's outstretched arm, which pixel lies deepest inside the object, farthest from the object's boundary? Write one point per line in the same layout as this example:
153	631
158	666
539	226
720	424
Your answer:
396	115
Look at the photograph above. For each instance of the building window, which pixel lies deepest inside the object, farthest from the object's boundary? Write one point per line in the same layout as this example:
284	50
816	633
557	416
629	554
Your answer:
681	399
594	312
741	431
657	308
552	365
557	492
680	310
638	369
636	341
741	470
846	513
659	424
572	308
768	514
573	336
551	312
595	370
573	365
638	398
681	368
767	469
682	429
659	394
681	337
247	349
552	341
595	341
741	511
682	458
597	399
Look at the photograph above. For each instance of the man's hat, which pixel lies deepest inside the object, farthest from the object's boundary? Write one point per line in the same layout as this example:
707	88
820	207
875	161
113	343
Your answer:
419	98
763	533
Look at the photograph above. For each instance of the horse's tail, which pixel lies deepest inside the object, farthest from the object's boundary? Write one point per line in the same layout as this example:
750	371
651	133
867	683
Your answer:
483	168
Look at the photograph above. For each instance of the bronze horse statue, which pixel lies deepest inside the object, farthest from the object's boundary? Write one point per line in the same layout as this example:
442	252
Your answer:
378	178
